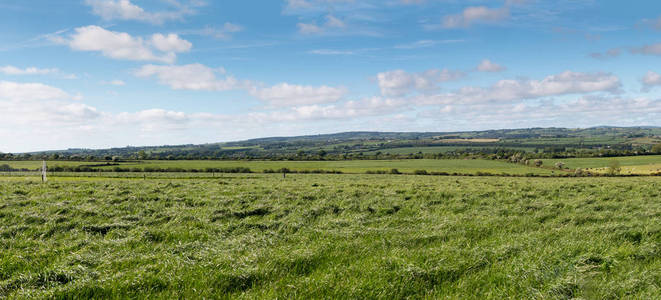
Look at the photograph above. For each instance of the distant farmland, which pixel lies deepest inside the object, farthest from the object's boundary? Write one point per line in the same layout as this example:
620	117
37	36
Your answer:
449	166
631	164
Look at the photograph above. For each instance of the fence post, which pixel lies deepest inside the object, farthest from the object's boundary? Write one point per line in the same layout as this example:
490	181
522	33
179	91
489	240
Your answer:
43	172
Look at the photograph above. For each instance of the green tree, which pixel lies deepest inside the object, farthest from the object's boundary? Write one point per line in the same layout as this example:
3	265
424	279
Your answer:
142	155
656	148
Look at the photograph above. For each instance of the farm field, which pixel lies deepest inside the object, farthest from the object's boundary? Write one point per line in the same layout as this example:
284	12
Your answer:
331	236
439	149
353	166
35	164
630	164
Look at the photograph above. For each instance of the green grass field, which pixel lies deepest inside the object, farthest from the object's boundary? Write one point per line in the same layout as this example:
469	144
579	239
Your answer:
630	164
438	149
33	164
353	166
331	236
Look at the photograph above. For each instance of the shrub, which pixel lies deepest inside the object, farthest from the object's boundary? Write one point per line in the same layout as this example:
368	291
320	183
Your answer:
420	172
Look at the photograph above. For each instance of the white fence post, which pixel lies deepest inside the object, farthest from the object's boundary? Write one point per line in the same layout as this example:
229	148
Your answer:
43	172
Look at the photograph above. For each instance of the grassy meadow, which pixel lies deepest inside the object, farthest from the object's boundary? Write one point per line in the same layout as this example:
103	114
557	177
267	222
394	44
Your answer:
331	236
630	164
450	166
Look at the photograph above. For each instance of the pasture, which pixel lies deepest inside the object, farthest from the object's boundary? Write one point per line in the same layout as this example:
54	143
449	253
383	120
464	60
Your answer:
450	166
643	165
331	236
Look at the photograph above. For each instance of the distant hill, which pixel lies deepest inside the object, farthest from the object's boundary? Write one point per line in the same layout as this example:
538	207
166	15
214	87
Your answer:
402	143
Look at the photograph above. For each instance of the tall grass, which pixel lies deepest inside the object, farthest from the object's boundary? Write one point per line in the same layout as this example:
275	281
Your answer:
331	236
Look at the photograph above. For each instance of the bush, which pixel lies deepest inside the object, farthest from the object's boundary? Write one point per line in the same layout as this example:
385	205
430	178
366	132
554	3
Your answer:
420	172
440	173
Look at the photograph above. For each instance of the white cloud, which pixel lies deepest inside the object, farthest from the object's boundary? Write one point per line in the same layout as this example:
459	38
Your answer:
476	14
306	28
409	2
426	43
201	77
225	32
516	2
650	80
11	70
400	82
120	45
115	82
170	43
332	52
29	91
297	4
332	21
302	5
125	10
565	83
488	66
16	71
285	94
192	77
584	111
332	24
367	107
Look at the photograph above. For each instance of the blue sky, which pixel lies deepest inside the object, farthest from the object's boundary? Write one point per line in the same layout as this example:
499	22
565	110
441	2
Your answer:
105	73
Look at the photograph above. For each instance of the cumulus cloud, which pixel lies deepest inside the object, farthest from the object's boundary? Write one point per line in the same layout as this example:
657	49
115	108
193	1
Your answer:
285	94
583	111
170	43
565	83
400	82
34	112
488	66
375	106
476	14
650	80
29	91
121	45
125	10
192	77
